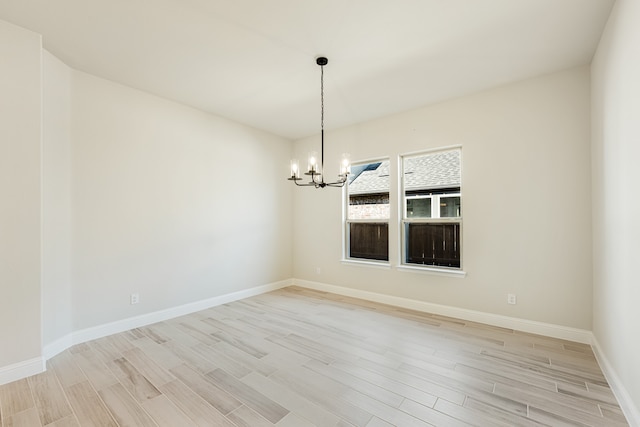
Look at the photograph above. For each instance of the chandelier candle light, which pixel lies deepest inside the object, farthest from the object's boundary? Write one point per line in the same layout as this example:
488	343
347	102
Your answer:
315	169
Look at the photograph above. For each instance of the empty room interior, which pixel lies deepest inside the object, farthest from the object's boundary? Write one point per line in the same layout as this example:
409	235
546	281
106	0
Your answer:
305	213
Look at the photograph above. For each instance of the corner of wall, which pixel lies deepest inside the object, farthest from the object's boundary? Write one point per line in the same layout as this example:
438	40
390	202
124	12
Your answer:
628	406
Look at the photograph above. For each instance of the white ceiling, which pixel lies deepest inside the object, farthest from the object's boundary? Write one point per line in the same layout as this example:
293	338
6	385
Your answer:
254	60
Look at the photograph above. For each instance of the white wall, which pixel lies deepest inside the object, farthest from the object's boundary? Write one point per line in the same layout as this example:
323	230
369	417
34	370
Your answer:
616	208
108	191
169	202
526	201
20	192
56	200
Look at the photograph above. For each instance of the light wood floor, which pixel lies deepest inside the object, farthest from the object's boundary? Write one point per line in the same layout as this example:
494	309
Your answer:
298	358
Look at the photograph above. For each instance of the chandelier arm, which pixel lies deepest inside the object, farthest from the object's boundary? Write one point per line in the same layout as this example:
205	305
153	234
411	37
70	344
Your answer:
309	184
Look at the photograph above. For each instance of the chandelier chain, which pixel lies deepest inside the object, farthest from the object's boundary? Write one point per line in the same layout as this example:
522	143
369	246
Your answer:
322	97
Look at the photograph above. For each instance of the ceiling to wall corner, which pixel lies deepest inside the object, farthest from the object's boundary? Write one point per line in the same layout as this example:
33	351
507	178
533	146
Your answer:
253	61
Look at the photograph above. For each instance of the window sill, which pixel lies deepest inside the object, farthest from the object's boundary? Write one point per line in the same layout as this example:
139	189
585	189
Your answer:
432	270
374	264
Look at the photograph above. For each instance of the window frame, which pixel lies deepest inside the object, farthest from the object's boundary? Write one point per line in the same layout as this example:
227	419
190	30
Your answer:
404	220
435	203
346	247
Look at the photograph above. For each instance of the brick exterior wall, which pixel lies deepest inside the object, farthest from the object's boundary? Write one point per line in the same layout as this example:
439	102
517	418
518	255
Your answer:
370	206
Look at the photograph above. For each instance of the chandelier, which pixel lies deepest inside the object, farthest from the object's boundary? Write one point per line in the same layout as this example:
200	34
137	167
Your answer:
314	169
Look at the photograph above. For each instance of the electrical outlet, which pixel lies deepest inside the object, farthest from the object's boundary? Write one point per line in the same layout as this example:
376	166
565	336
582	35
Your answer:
511	298
135	298
318	270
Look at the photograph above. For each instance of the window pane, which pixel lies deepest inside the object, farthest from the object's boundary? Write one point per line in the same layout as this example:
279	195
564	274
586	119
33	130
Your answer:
368	191
433	244
369	206
369	240
419	207
449	207
433	175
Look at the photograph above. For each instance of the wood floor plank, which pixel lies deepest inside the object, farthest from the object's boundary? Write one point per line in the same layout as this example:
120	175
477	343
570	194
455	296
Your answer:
264	327
613	413
156	374
293	420
589	393
111	347
554	419
429	387
133	381
171	333
449	378
94	368
250	397
166	414
386	383
498	374
124	409
430	415
186	326
221	360
49	397
246	417
158	353
66	369
15	397
248	361
487	364
395	416
306	350
190	357
291	400
230	338
209	391
235	326
511	413
105	350
542	367
88	406
377	422
151	333
298	357
193	405
469	415
26	418
120	342
79	348
544	398
282	358
70	421
324	393
383	395
330	351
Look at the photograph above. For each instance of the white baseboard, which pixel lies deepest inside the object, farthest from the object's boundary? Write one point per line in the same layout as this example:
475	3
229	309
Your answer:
88	334
20	370
630	408
118	326
524	325
57	347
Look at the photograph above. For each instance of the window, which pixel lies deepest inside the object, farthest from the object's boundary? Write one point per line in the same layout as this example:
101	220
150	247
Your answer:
432	216
367	224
